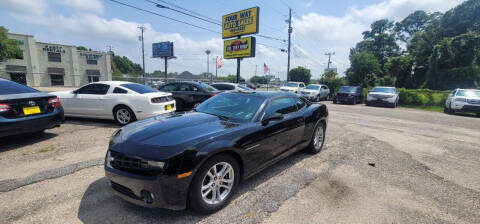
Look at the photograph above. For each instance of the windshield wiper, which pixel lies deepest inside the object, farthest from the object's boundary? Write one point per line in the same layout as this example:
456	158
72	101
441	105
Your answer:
225	118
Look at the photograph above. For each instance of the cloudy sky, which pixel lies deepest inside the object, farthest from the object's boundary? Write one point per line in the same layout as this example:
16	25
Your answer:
318	27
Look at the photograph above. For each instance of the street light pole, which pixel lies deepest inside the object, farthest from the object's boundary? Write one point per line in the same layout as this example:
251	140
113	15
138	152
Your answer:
208	61
289	39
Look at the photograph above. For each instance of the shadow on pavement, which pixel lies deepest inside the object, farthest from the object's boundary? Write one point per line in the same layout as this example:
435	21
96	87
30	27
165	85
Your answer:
18	141
100	205
91	122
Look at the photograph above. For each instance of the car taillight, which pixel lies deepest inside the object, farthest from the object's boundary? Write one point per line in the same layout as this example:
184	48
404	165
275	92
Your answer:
55	102
212	95
4	107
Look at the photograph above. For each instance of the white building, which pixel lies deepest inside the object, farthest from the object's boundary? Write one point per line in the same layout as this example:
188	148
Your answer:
48	64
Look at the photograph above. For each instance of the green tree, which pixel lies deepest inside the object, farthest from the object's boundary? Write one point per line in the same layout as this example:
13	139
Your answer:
331	74
381	41
455	62
8	47
333	83
82	48
123	65
259	80
300	74
413	23
401	68
364	69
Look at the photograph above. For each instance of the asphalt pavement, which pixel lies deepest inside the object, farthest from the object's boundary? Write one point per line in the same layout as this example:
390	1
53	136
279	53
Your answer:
379	165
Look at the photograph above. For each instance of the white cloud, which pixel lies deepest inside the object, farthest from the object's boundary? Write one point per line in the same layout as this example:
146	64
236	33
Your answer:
398	9
84	5
35	7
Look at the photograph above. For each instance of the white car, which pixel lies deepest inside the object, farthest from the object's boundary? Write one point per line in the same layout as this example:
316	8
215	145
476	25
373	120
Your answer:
316	92
383	95
463	100
123	102
226	86
293	87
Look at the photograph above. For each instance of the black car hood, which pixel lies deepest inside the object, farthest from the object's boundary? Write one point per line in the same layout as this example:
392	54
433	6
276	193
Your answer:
170	132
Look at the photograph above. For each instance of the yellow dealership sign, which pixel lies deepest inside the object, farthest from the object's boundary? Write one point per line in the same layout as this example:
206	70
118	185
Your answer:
240	23
239	48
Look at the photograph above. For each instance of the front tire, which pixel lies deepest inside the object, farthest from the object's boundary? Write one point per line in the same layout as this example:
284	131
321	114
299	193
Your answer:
124	115
317	99
318	138
214	184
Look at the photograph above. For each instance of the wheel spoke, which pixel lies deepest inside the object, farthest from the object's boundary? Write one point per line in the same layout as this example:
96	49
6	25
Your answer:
207	186
225	186
204	194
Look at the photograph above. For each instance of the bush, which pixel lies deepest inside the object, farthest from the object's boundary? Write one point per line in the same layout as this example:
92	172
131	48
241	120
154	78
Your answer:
333	84
422	97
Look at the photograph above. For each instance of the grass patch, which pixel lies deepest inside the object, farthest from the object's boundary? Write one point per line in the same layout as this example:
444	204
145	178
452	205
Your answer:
46	149
427	108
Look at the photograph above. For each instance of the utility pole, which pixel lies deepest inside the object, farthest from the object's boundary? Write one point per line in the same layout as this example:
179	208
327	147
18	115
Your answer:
256	70
216	67
142	28
289	39
208	62
329	57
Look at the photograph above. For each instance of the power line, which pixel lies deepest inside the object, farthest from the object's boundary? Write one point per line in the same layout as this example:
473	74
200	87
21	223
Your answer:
190	11
166	17
166	7
272	38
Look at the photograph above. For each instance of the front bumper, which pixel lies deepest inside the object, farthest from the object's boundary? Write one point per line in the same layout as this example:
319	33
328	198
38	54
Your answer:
344	99
468	108
31	124
168	191
381	102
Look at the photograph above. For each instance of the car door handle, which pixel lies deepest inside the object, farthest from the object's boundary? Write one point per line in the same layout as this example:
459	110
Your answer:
300	120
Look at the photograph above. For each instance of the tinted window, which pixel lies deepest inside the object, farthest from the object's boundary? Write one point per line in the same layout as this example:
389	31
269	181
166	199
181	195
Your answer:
301	85
324	87
139	88
223	86
119	90
313	87
291	84
187	87
168	88
239	107
95	89
282	105
383	90
208	87
9	87
348	89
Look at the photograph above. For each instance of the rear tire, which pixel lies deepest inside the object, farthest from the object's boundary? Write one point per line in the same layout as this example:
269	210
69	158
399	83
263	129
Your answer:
123	115
334	102
199	200
317	99
318	138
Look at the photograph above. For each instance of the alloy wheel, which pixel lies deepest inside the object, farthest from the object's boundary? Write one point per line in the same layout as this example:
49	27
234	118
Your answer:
318	138
217	183
123	116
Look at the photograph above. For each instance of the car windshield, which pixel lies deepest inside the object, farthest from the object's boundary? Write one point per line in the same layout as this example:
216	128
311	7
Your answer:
292	84
139	88
9	87
240	107
347	89
208	87
383	90
314	87
469	93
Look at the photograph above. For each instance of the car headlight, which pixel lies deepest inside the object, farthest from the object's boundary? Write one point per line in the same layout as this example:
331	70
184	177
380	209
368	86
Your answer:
460	99
390	96
109	157
155	164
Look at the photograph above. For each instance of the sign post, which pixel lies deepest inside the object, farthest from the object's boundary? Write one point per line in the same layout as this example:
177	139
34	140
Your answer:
163	50
236	24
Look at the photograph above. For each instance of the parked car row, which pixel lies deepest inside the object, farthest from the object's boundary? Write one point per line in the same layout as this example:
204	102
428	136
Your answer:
378	96
463	100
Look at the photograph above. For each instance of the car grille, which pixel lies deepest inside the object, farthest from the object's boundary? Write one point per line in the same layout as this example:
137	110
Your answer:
306	93
378	96
162	99
343	94
124	190
132	165
473	101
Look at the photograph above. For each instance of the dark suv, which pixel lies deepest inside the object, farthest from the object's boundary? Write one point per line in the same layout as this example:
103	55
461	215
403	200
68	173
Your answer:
348	94
189	95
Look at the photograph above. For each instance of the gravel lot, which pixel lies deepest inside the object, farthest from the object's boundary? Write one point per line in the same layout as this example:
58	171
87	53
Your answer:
379	165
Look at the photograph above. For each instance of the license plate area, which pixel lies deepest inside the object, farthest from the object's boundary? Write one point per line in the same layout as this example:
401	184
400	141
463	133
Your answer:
169	107
31	110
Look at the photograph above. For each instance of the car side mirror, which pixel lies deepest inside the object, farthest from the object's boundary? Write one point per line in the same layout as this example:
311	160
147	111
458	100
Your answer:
272	117
75	91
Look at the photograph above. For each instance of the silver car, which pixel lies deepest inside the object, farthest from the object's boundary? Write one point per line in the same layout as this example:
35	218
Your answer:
463	100
316	92
226	86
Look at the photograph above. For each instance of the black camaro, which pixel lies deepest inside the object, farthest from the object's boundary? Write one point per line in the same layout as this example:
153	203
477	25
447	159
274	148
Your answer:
27	110
197	158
